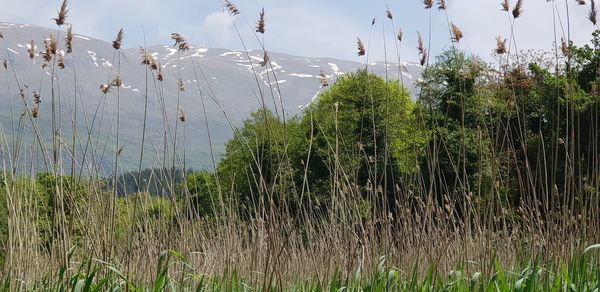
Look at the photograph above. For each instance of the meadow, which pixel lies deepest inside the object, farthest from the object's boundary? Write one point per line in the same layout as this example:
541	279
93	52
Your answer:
488	180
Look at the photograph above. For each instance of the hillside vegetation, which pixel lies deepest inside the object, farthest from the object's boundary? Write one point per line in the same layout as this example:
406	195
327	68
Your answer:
488	181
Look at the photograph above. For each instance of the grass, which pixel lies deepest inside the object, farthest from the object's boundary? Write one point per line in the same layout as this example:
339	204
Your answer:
439	227
175	273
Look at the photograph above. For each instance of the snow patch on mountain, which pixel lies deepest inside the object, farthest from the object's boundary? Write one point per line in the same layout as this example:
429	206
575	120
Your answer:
335	69
301	75
92	55
237	54
172	52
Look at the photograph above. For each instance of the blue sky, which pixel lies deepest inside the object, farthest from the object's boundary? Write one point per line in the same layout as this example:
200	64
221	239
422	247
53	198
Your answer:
315	28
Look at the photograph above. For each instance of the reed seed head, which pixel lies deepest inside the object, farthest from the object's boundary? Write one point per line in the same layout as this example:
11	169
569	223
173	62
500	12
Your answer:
324	81
500	46
181	85
159	75
31	50
389	12
428	4
61	61
62	14
35	109
1	35
423	58
373	21
265	60
50	48
105	88
118	82
518	9
260	27
456	33
580	2
180	42
442	4
36	104
148	59
5	64
182	115
593	15
422	49
505	5
400	35
564	47
231	7
361	47
118	40
69	40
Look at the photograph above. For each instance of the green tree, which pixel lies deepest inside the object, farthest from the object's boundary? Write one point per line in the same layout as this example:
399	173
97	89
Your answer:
255	168
203	194
362	131
454	107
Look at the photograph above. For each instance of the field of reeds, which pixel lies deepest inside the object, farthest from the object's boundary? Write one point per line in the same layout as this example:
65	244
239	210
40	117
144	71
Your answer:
488	180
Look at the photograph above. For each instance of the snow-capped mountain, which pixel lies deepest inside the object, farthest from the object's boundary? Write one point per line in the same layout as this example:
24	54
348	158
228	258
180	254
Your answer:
232	78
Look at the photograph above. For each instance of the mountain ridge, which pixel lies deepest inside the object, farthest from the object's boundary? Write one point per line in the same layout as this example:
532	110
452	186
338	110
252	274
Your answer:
231	75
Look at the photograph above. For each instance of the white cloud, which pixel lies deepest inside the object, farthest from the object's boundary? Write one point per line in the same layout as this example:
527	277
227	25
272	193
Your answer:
482	21
217	29
311	27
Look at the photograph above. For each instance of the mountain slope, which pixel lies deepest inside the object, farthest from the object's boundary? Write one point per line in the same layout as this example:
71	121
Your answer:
230	77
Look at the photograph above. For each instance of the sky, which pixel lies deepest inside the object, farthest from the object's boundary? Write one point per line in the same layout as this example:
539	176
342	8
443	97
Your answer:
314	28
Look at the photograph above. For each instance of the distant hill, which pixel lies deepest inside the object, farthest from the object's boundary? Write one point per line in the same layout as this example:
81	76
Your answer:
225	73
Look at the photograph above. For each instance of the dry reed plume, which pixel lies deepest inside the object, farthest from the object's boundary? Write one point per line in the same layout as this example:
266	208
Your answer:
518	10
69	40
500	46
428	4
180	42
400	35
505	5
323	79
456	33
581	2
118	40
36	104
442	4
181	85
265	59
117	82
388	12
260	26
31	50
62	14
147	59
593	14
50	48
61	61
360	47
229	6
422	49
564	47
182	115
159	74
